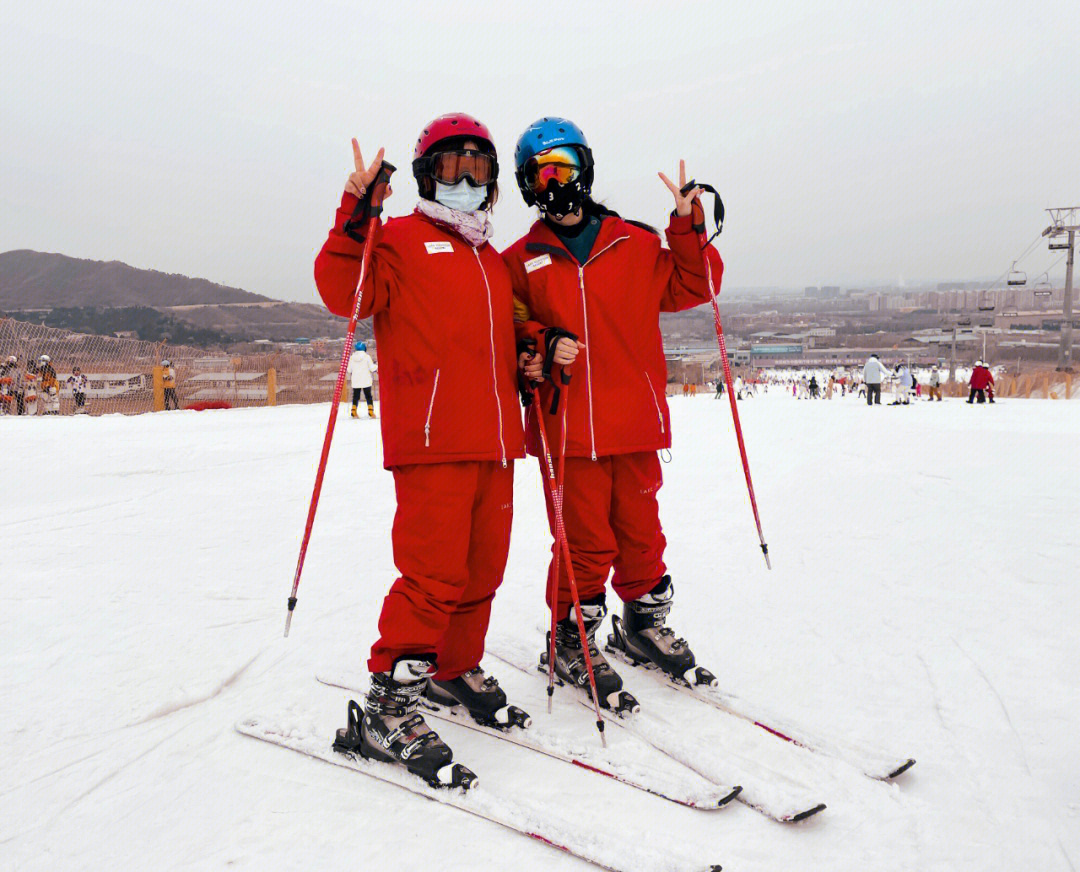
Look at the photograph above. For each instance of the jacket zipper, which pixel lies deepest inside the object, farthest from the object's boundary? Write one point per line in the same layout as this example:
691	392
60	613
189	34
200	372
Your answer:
494	368
585	315
431	405
656	402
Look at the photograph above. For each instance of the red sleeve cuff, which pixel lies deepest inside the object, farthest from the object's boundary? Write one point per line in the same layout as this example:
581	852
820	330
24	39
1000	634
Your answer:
680	224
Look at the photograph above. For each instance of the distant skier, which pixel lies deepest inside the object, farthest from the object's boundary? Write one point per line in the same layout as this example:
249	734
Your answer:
719	387
31	386
873	373
583	271
934	385
77	382
813	387
903	386
361	366
10	398
49	386
981	380
168	380
442	305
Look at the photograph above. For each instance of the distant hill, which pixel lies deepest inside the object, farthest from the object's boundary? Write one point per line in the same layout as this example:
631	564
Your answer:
38	280
96	296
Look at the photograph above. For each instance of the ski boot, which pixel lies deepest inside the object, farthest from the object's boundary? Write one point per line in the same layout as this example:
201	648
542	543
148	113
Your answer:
570	660
370	411
391	730
481	695
353	414
643	637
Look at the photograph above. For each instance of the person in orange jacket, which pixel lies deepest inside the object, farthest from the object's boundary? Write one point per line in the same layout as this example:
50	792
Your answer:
442	304
10	395
591	287
168	381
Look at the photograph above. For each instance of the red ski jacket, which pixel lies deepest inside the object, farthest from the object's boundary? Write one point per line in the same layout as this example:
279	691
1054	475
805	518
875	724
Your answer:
612	302
981	378
444	327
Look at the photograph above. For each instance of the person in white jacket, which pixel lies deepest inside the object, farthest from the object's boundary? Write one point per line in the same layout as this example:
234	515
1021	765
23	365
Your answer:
873	374
361	366
904	381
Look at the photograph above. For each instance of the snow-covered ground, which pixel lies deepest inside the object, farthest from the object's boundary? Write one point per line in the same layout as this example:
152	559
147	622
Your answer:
924	598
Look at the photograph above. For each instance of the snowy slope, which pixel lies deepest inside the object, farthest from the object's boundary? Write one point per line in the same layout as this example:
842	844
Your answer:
924	599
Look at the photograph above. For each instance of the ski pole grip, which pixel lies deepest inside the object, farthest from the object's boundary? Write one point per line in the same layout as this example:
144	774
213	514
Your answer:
697	210
381	183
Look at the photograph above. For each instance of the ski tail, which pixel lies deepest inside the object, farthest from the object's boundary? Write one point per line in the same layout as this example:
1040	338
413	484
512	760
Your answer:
504	811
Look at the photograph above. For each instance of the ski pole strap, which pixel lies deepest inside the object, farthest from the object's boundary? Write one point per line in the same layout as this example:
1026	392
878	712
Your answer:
552	335
370	205
697	211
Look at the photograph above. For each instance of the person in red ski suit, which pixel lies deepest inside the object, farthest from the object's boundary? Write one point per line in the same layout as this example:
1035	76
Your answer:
982	380
442	304
589	289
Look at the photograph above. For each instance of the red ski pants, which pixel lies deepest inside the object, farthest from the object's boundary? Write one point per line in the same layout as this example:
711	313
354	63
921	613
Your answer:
451	537
612	519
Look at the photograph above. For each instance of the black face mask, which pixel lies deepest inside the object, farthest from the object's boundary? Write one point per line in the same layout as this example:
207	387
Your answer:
558	201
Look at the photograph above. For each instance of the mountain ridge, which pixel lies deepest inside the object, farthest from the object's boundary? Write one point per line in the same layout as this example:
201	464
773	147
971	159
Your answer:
45	280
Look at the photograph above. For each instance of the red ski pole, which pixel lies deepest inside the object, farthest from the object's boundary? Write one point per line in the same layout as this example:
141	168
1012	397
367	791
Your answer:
564	547
554	581
731	396
378	191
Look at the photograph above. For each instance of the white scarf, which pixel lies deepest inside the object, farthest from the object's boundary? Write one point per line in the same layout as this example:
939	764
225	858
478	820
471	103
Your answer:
474	227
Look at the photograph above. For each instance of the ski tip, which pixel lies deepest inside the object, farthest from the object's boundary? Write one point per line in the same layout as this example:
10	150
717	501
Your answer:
803	815
724	800
902	768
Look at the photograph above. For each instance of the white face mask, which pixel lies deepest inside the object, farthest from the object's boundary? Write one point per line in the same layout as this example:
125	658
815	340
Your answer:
463	197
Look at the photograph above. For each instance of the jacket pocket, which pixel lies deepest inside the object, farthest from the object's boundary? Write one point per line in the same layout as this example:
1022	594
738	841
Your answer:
431	406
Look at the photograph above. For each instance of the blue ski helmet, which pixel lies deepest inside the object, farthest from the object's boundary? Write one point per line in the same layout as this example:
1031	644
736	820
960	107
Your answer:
546	133
361	346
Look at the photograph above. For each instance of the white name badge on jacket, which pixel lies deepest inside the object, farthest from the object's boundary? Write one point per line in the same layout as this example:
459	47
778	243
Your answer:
439	247
537	262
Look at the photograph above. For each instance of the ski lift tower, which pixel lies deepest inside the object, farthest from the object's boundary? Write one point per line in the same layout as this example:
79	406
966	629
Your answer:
1065	223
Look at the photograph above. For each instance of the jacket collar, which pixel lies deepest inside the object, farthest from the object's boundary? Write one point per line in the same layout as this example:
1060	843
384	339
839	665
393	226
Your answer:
448	231
543	239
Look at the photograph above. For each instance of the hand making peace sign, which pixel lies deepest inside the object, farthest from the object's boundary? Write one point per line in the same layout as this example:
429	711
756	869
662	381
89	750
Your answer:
359	181
683	203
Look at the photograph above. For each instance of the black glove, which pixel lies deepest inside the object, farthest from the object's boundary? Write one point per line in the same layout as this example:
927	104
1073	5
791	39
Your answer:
525	385
369	205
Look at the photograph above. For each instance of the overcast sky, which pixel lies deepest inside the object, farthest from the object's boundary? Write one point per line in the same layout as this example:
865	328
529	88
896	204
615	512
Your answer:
854	143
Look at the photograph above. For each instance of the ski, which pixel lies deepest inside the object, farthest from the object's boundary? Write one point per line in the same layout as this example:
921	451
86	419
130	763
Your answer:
708	798
542	826
872	763
765	789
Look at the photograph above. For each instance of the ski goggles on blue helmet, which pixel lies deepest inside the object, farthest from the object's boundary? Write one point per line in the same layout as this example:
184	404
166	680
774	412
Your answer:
562	164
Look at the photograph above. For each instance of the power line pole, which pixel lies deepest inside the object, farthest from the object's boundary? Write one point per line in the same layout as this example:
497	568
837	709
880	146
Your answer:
1065	224
952	358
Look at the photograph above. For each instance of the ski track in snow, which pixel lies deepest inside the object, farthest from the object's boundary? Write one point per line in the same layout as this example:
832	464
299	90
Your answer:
173	707
922	600
1001	702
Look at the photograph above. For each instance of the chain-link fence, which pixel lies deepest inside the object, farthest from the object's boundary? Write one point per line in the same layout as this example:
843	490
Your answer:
127	376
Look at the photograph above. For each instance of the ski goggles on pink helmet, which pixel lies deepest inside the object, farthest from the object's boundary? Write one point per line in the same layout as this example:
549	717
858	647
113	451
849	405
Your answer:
450	167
